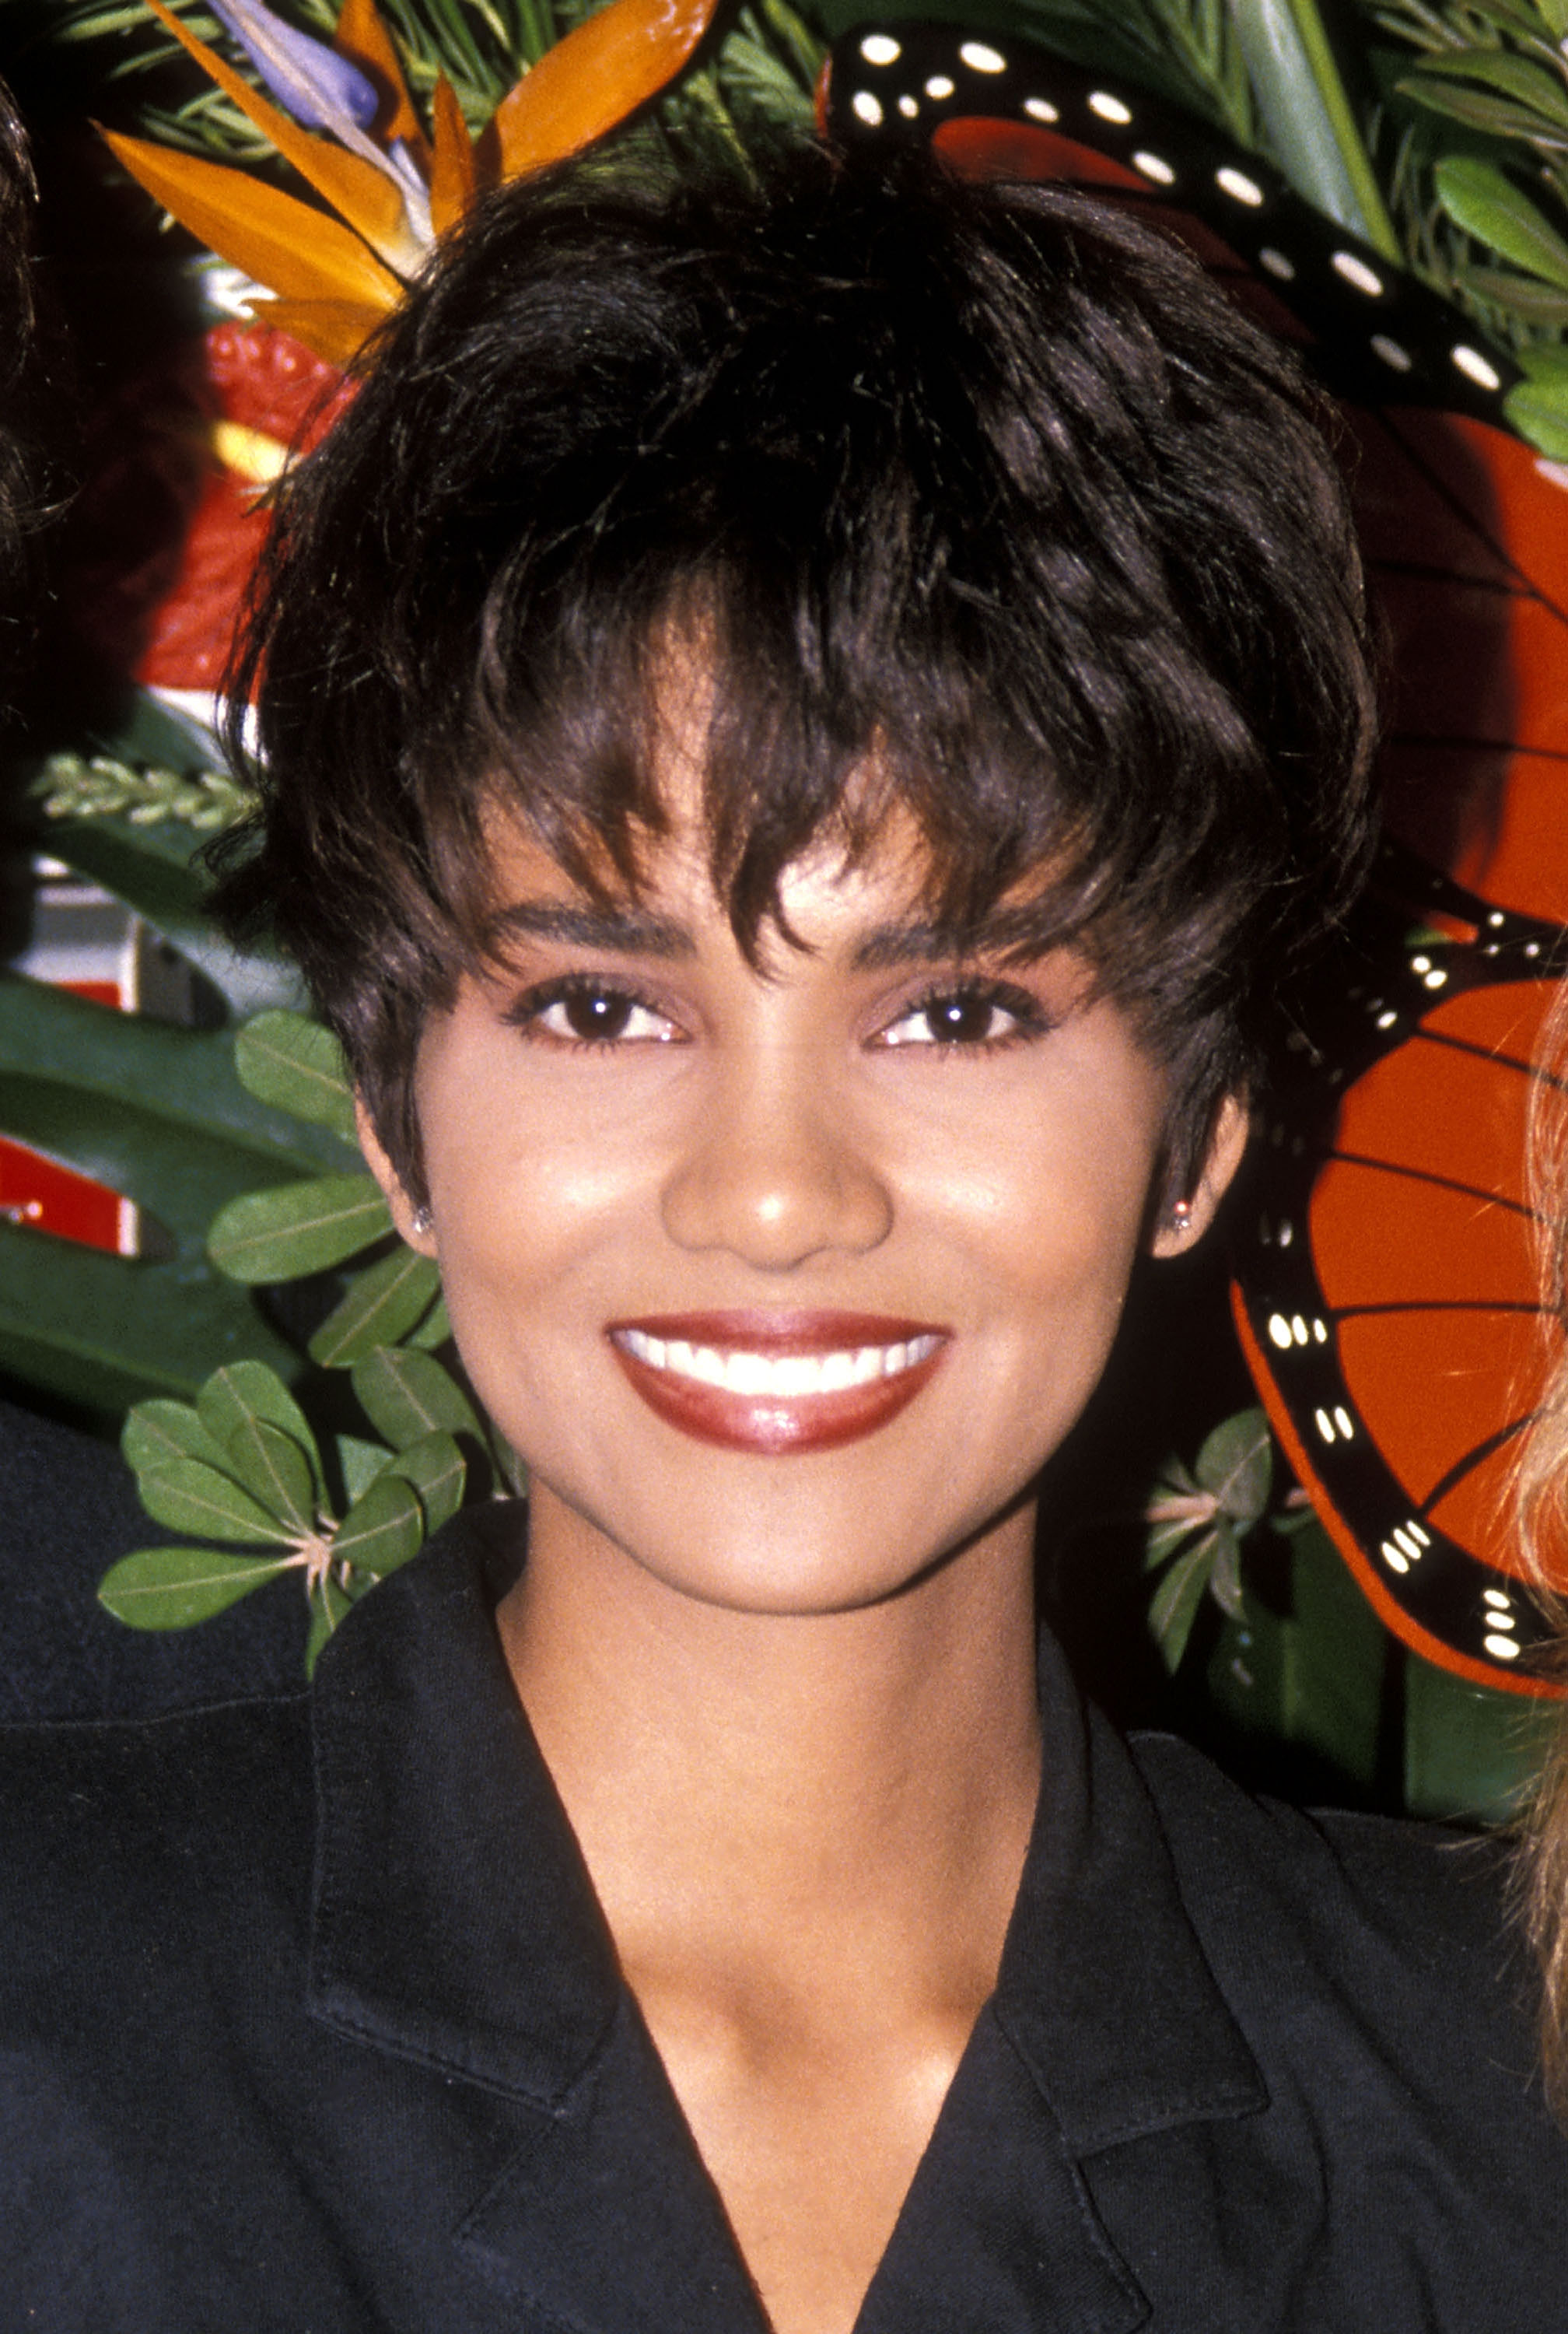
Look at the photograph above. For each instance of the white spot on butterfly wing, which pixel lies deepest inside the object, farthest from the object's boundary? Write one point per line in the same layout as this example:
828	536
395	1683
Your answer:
981	58
1109	108
1154	167
881	49
1239	186
1038	109
1355	272
866	107
1474	367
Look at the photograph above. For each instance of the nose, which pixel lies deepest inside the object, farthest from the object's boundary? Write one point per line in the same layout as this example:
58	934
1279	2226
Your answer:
774	1172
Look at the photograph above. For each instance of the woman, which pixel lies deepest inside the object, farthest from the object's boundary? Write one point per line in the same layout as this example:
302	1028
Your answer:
804	728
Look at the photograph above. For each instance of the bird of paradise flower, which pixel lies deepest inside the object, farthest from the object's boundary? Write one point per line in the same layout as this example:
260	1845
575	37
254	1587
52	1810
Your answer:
394	189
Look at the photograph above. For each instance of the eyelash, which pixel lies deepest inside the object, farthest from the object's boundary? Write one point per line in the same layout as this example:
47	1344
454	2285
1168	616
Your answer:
528	1011
1029	1015
1030	1019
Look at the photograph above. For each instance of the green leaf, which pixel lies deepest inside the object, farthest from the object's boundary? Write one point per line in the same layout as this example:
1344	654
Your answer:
1496	117
1471	1753
434	1331
156	1431
297	1064
1175	1603
295	1229
1311	124
1479	198
274	1471
1224	1579
175	1587
105	1331
438	1470
360	1464
246	1392
1526	84
1521	295
330	1602
406	1395
1537	406
383	1529
1236	1464
154	1110
388	1300
192	1498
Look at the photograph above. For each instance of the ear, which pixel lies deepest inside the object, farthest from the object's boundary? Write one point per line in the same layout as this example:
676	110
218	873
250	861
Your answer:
1227	1142
413	1223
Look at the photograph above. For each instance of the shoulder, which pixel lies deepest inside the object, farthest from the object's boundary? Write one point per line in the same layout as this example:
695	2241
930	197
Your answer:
130	1848
1330	1919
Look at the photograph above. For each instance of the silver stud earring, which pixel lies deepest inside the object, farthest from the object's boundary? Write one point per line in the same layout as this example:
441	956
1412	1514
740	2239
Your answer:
424	1222
1181	1218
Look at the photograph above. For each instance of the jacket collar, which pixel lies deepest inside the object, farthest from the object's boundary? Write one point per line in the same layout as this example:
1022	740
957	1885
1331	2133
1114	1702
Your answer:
453	1922
1103	1990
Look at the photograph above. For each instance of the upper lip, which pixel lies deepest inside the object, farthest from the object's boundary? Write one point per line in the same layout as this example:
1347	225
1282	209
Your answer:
755	1330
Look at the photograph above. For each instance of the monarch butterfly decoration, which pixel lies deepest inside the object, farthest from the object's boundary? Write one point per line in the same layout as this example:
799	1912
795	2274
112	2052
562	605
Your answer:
1385	1287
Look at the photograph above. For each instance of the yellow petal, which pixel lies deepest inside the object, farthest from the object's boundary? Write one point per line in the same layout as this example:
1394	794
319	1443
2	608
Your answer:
595	77
282	242
452	173
369	201
364	40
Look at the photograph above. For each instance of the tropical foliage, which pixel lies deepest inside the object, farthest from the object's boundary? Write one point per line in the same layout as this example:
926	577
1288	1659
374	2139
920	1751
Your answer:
280	1358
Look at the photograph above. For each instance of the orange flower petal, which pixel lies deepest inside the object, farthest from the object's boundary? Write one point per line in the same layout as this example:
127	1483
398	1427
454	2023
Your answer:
368	201
363	39
453	174
595	77
335	329
282	242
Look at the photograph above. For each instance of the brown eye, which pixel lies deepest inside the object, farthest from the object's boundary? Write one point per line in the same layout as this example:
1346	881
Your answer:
962	1019
596	1014
979	1013
579	1012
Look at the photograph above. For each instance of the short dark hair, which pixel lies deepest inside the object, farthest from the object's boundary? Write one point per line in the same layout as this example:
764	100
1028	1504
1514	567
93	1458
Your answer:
988	487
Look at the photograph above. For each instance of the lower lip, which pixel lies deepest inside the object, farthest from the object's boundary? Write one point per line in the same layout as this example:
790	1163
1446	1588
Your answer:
775	1426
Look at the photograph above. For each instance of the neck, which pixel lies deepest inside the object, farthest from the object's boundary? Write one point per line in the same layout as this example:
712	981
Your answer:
747	1786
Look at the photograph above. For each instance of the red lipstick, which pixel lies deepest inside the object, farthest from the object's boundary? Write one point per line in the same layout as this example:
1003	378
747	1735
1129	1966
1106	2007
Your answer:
776	1383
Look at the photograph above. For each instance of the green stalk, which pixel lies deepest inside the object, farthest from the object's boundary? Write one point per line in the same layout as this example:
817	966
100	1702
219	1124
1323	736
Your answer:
1311	125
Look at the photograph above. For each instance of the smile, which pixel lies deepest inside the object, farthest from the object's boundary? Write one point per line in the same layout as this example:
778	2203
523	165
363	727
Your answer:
772	1383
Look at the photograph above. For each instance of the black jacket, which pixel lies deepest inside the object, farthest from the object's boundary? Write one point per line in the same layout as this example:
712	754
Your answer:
310	2024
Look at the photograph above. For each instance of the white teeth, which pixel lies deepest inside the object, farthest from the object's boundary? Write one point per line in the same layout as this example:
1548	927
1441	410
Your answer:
786	1376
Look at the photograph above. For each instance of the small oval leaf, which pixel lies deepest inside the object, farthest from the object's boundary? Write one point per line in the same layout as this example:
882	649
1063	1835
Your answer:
246	1391
359	1462
274	1471
156	1431
1236	1464
331	1601
409	1394
192	1498
294	1228
296	1064
386	1300
1479	198
1175	1602
176	1587
437	1469
383	1529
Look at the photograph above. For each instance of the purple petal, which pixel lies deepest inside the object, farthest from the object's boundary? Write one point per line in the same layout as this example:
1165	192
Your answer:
322	89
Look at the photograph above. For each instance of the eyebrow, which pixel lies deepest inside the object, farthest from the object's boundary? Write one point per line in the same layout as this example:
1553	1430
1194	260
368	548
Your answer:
887	946
619	930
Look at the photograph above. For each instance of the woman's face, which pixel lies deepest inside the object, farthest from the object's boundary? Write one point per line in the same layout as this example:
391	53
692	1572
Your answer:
785	1284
